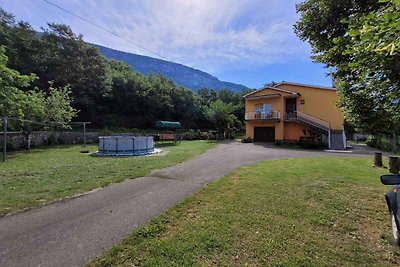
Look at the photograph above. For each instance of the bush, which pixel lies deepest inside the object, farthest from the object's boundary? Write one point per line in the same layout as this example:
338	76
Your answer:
191	135
380	142
52	140
279	143
106	132
202	135
195	135
10	146
310	142
247	140
371	141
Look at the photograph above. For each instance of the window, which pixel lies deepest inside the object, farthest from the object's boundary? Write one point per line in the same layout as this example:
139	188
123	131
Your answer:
259	108
267	107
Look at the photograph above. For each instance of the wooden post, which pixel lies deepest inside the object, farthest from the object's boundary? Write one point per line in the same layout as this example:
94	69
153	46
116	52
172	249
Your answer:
393	164
84	134
378	159
4	138
394	143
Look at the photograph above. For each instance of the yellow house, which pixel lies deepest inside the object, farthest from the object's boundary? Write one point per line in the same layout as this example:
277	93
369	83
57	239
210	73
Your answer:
282	112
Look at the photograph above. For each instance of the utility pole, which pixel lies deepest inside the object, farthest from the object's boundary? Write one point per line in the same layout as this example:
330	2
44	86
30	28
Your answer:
4	138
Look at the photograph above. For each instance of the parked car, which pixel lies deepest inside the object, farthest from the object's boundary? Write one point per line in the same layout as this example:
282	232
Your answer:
393	202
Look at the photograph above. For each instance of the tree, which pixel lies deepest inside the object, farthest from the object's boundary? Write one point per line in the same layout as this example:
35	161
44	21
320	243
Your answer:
220	114
40	111
60	56
372	85
33	109
359	39
10	83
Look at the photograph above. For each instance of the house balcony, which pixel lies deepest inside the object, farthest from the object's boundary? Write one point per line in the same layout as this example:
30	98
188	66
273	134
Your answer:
263	116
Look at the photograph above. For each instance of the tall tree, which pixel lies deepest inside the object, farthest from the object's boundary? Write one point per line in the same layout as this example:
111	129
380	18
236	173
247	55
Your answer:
221	115
11	82
41	111
359	40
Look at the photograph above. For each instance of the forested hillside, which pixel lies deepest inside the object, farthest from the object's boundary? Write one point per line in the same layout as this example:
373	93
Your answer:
106	92
182	75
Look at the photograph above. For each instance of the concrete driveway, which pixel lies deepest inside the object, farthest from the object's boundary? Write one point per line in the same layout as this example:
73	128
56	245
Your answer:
74	231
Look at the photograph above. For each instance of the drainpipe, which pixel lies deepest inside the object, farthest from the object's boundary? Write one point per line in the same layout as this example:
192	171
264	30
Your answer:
329	138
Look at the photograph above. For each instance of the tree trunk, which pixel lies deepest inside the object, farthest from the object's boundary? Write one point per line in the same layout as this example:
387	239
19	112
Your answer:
28	137
393	164
378	159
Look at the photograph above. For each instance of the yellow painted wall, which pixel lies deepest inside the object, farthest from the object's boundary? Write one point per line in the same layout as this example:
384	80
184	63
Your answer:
251	124
320	103
276	102
293	131
277	105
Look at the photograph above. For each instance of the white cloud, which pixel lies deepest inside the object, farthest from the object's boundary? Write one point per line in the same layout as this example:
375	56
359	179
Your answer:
206	34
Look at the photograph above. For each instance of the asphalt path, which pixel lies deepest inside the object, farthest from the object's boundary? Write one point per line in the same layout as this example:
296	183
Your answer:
74	231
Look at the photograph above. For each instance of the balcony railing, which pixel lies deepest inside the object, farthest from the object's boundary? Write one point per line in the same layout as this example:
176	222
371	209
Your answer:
267	115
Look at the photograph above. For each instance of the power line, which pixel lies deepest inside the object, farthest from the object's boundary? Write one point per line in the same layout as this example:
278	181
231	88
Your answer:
78	123
105	29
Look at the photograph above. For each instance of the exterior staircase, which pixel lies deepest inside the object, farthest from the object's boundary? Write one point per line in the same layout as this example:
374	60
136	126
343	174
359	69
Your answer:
336	139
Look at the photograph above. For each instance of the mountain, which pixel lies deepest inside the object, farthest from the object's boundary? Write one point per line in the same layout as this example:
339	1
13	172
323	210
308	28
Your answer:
182	75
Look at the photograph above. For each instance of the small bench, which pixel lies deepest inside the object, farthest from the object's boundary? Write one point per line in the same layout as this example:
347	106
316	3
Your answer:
167	137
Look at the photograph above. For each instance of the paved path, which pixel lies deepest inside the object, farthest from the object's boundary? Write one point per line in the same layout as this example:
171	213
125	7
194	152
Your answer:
74	231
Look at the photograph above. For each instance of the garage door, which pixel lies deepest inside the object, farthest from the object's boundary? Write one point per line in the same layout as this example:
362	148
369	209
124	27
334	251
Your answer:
264	134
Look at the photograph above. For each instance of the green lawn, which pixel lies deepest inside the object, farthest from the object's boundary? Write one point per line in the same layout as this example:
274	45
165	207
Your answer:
296	212
30	179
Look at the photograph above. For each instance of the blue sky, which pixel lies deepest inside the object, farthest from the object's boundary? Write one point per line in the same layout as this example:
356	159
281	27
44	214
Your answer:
244	41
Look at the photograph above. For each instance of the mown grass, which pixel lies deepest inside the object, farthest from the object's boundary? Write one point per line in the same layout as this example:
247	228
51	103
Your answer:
30	179
295	212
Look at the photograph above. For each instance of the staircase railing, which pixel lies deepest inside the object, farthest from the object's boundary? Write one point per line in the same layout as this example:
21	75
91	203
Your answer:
308	119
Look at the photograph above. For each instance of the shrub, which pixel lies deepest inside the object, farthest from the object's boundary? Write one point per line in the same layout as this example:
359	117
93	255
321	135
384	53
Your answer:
380	142
202	135
10	146
190	135
247	140
106	132
371	141
52	140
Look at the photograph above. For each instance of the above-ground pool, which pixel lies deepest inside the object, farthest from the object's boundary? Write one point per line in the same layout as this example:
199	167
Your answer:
126	145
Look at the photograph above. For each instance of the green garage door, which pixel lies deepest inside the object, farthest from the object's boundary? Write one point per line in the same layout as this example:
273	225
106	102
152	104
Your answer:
264	134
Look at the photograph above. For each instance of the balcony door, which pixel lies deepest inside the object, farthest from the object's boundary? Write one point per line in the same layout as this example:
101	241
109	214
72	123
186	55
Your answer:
263	111
291	107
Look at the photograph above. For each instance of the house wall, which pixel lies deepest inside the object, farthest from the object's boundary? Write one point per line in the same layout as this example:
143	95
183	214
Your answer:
293	131
320	103
276	102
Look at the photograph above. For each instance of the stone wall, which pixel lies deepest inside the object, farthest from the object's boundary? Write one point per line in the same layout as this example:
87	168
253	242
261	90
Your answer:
16	140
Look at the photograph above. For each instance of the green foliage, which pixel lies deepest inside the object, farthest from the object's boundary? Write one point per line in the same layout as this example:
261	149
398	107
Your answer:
247	140
221	114
361	40
196	135
294	212
40	111
381	142
12	99
107	92
30	179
